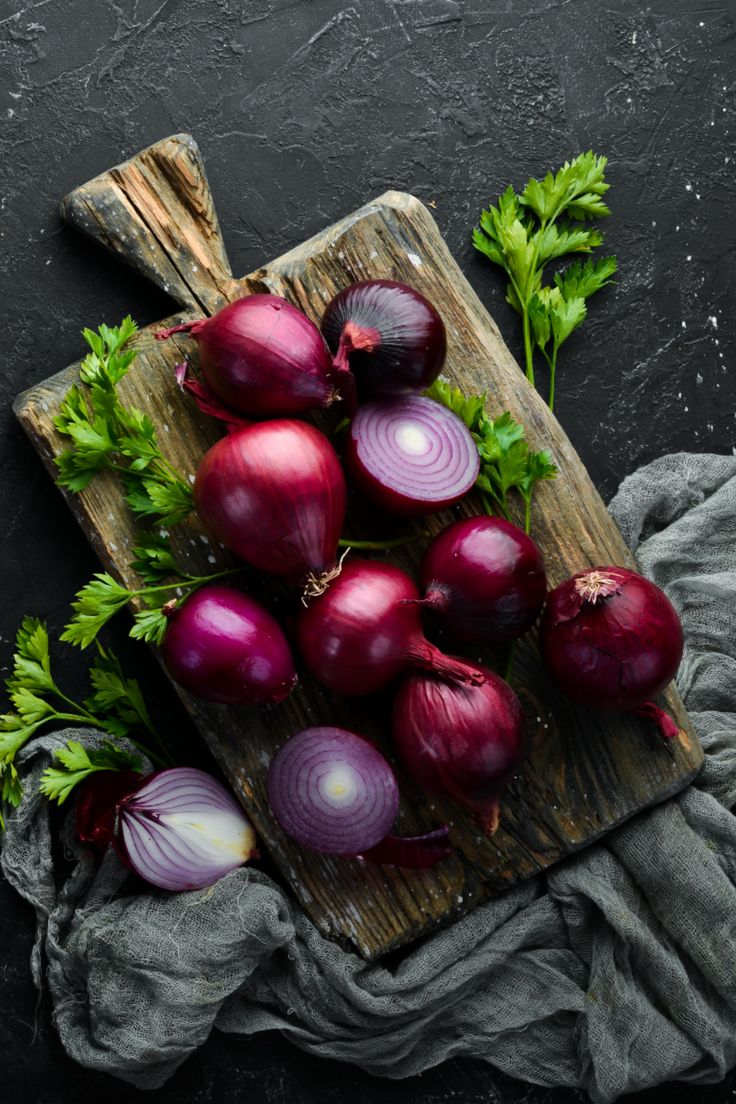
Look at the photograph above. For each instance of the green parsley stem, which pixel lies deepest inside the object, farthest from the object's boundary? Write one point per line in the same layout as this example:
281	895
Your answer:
509	661
380	546
528	350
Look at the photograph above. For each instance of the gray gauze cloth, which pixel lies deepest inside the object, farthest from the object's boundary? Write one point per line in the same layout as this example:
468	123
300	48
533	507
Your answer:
614	971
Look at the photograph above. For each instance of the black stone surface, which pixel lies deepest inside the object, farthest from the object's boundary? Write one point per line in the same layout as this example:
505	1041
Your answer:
304	111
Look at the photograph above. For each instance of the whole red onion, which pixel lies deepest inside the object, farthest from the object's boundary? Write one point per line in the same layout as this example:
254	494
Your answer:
262	356
366	628
274	494
462	741
612	639
484	580
223	646
388	335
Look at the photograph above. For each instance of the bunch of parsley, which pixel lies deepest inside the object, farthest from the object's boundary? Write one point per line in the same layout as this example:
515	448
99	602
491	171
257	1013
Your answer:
507	463
114	705
546	221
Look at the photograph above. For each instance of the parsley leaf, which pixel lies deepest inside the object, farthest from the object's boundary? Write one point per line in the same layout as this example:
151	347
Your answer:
523	233
116	704
107	435
77	763
506	462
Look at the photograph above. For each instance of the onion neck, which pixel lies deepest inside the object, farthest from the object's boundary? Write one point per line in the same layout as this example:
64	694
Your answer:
666	725
435	598
427	657
192	328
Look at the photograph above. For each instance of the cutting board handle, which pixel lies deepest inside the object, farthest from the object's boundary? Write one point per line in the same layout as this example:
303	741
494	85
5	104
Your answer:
156	212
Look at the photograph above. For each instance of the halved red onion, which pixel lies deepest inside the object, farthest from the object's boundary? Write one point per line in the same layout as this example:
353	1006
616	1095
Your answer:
333	791
183	830
411	455
388	335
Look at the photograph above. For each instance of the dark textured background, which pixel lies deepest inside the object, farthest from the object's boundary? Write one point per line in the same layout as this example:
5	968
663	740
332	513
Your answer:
304	111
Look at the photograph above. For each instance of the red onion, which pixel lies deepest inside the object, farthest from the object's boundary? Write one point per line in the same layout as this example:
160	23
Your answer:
334	792
274	494
183	830
388	335
225	647
484	580
366	628
612	639
411	455
462	741
262	356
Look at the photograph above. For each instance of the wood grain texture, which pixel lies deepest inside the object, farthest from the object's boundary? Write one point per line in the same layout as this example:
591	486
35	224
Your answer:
586	772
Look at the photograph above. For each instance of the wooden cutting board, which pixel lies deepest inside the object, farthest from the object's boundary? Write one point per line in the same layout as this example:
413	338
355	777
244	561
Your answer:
587	771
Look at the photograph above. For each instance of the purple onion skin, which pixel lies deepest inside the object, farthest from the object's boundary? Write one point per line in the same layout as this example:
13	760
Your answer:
461	741
616	651
374	485
262	356
300	799
388	335
366	629
96	800
274	494
484	581
223	646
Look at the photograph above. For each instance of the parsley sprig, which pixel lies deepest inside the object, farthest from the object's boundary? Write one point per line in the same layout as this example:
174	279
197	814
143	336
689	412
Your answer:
524	232
115	704
507	463
97	602
108	436
75	763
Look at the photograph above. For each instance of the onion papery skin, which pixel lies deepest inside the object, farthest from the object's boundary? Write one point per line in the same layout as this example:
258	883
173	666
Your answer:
183	830
411	455
262	356
409	852
224	646
484	581
274	494
388	335
332	791
96	801
461	741
613	651
366	629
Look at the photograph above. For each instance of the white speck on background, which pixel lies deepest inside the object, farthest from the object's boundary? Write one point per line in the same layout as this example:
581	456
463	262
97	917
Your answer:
211	559
713	321
689	257
633	39
688	187
698	378
415	259
697	195
684	324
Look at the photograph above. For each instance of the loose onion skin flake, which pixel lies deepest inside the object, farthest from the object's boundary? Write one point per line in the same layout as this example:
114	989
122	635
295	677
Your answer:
411	455
611	639
274	494
181	829
262	356
224	646
484	580
461	740
387	335
366	629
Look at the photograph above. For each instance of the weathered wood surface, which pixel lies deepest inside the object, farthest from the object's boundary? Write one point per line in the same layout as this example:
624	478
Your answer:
586	772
